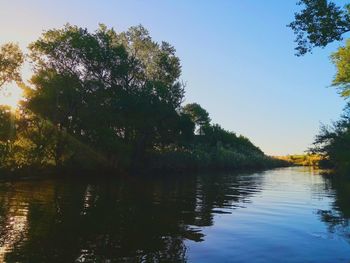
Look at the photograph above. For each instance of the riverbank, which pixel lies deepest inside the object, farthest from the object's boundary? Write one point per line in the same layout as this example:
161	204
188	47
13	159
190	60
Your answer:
171	162
216	159
116	104
314	160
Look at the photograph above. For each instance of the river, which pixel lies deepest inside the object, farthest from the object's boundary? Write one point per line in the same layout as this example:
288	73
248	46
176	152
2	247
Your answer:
282	215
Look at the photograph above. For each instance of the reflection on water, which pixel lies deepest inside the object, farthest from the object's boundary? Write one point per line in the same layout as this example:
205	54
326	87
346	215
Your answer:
290	214
338	215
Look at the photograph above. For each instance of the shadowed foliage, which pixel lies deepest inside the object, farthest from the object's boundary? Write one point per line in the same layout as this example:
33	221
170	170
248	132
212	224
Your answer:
319	23
11	60
113	100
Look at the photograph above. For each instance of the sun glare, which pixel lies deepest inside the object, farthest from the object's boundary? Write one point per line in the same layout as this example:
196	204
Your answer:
11	95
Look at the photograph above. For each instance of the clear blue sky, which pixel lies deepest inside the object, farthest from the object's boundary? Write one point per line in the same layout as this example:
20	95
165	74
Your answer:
237	59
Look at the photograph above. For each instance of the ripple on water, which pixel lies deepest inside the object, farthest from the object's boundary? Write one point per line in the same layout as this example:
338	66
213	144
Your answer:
282	215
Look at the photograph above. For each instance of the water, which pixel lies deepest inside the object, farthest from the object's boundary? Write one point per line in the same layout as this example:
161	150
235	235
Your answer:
281	215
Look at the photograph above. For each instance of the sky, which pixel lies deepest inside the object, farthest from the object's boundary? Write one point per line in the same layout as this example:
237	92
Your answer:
237	59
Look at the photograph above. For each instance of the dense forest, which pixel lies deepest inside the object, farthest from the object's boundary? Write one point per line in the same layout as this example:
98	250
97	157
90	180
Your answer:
110	100
319	23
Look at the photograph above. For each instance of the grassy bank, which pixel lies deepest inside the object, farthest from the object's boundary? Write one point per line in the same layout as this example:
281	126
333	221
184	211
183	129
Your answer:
302	159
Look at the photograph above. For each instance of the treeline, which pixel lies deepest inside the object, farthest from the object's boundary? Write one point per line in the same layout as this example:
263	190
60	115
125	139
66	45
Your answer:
303	159
110	100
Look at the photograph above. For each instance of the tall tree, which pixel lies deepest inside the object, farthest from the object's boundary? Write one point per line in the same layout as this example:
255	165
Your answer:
333	142
106	88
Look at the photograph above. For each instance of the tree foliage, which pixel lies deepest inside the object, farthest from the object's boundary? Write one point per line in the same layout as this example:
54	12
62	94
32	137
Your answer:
198	115
107	89
333	142
113	99
319	23
341	60
11	60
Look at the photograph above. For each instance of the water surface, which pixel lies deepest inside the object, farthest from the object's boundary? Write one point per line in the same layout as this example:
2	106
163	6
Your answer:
282	215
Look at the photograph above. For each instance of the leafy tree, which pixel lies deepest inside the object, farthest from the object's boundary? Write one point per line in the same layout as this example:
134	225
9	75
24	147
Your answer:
198	115
106	88
186	127
333	142
11	60
55	100
341	59
319	23
6	133
215	134
6	123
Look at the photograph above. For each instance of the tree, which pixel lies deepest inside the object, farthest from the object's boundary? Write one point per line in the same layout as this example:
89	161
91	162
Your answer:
11	60
198	115
79	86
341	59
319	23
333	142
6	133
107	89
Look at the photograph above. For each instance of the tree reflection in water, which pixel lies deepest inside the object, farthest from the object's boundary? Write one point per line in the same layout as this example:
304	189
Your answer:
129	219
338	217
